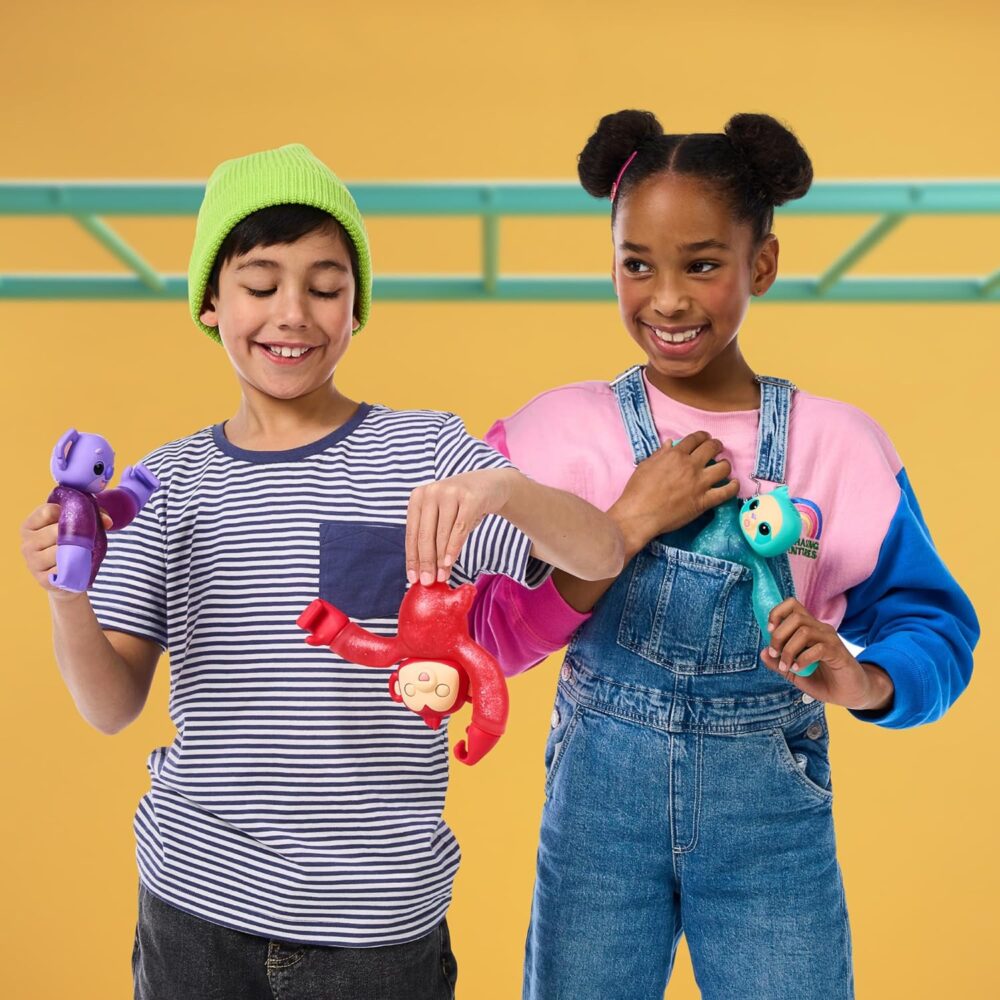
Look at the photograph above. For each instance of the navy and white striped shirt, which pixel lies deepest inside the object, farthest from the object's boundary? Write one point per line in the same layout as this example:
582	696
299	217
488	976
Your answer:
298	801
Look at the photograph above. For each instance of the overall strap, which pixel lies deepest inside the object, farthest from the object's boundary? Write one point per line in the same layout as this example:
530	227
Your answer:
630	390
772	432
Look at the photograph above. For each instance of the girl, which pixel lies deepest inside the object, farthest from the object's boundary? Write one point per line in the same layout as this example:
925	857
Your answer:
688	783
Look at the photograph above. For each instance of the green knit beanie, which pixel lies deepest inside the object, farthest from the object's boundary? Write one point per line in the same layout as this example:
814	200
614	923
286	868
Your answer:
290	175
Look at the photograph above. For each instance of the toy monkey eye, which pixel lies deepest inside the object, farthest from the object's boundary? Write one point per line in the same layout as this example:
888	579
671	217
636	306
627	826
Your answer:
409	690
764	528
98	468
754	504
442	690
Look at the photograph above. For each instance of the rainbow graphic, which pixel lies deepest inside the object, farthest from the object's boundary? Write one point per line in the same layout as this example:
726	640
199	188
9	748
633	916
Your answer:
812	517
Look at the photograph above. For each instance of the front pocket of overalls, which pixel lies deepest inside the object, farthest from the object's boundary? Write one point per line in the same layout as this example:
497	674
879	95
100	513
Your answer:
362	567
565	713
803	751
690	613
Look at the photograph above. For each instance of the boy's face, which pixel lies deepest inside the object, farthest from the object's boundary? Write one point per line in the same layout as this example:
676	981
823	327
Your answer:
285	313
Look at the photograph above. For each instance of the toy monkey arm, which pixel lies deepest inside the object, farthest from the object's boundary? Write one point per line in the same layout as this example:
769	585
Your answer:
490	704
129	497
329	626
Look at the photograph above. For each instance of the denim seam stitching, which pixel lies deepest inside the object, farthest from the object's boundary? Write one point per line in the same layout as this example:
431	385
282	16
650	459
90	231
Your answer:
738	729
561	747
689	847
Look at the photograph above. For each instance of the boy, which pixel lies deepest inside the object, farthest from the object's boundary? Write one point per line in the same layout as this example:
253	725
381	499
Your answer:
291	842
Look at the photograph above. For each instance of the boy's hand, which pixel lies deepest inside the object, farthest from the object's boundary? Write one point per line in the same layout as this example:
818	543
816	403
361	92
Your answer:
798	639
39	534
671	488
442	514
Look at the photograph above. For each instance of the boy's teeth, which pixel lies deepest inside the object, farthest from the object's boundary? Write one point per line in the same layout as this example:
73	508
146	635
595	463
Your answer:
676	338
288	352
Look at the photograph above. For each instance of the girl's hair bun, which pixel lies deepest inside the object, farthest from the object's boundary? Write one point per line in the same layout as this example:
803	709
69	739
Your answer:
616	138
773	155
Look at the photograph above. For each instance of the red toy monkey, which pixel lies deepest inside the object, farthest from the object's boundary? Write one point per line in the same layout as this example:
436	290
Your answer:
440	667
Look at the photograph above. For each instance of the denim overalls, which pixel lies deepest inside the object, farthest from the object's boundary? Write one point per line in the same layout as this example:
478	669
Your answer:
688	786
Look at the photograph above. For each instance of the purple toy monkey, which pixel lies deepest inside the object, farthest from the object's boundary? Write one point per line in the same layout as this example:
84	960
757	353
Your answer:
82	465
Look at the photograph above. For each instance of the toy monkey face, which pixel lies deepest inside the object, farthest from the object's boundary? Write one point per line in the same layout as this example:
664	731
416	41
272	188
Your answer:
428	684
770	522
83	462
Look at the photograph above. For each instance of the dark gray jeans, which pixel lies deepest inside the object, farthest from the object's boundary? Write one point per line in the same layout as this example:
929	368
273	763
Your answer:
180	957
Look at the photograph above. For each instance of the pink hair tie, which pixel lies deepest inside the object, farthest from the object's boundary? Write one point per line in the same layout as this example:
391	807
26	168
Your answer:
621	173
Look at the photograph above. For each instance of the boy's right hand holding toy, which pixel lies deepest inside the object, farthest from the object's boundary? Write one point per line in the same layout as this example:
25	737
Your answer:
39	535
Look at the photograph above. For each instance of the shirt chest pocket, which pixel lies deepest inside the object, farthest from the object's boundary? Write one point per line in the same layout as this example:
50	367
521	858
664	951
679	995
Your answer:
362	567
690	613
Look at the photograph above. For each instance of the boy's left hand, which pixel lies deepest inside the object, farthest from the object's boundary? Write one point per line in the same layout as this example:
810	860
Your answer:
443	513
798	639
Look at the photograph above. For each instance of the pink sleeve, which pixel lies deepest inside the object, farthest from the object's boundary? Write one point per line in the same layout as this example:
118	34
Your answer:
520	627
496	438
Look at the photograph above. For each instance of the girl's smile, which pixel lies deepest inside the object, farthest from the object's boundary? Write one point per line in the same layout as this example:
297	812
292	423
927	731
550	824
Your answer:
675	342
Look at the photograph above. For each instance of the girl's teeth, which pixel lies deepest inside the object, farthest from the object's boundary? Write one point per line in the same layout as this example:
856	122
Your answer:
676	338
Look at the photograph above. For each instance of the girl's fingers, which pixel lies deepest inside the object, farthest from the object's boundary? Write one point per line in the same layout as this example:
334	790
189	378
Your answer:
783	632
706	450
811	654
720	494
781	611
691	442
800	639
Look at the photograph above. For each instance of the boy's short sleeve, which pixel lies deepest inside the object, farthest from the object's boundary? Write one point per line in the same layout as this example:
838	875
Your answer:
495	545
130	592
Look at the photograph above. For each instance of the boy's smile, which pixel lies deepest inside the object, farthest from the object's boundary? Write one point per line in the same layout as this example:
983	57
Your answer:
285	354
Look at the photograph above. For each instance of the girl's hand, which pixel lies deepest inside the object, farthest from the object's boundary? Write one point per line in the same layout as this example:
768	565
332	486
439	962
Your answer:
671	488
442	514
798	639
39	535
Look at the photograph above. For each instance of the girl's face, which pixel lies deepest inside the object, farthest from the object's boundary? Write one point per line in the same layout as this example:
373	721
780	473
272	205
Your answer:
684	271
285	314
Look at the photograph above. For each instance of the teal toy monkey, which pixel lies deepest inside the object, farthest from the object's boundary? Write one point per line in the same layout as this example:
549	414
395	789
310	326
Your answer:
765	526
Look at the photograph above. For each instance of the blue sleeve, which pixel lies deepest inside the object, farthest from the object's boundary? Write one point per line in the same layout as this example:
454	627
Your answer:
913	620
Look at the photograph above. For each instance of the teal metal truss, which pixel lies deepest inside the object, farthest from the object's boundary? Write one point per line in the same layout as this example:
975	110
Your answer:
90	204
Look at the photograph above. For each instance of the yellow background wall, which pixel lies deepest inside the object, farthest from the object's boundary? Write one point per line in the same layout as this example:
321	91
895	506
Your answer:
440	90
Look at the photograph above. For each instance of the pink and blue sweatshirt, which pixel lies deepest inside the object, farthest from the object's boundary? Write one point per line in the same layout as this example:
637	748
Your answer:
865	564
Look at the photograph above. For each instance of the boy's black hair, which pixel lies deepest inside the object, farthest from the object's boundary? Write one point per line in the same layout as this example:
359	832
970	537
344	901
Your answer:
273	226
756	163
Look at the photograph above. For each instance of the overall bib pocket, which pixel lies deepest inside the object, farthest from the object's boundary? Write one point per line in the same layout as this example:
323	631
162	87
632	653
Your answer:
689	612
362	567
